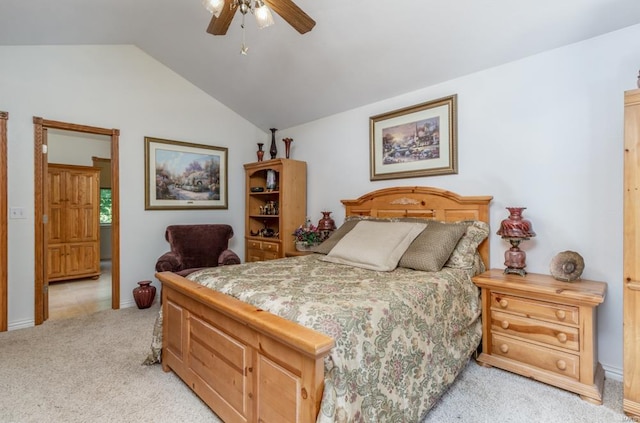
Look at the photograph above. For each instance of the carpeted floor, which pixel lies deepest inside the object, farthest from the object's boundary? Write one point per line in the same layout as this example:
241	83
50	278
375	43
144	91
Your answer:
88	369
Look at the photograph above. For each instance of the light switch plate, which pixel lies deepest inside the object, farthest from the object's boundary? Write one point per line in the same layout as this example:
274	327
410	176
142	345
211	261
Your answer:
17	213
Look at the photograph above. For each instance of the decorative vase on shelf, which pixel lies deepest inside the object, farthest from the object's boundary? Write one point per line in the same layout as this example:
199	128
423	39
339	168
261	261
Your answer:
271	180
260	152
274	149
144	294
287	146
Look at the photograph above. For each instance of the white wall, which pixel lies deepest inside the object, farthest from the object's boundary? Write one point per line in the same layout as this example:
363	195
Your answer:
112	87
545	132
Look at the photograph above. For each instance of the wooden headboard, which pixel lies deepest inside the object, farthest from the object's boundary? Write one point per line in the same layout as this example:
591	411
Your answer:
425	203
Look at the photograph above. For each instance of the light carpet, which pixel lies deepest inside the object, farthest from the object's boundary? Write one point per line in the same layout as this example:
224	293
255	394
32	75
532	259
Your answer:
88	369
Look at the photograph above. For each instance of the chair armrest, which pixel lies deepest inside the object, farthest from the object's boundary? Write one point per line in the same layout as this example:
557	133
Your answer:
228	257
168	262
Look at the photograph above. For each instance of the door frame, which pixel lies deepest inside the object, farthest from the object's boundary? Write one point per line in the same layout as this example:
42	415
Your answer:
40	281
4	290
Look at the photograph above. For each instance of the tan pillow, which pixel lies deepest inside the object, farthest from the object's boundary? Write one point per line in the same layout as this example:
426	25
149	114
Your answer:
375	245
431	249
350	223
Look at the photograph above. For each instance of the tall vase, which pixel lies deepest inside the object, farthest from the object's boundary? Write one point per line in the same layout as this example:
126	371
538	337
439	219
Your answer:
274	149
326	223
287	146
260	153
144	294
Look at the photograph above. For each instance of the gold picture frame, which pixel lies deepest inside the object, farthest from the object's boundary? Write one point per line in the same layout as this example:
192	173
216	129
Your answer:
415	141
182	175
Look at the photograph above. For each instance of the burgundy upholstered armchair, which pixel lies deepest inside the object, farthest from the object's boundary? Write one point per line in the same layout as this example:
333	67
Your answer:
194	247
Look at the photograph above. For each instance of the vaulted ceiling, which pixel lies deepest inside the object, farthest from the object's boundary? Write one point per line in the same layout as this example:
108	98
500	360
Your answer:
359	51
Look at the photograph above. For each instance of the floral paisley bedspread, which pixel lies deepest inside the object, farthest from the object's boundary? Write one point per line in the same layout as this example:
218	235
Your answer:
401	337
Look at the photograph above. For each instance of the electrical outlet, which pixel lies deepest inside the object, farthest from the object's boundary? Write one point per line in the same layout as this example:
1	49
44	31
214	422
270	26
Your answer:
17	213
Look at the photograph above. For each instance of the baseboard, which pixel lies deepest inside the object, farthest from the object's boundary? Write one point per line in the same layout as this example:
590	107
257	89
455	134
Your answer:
613	373
29	323
127	304
22	324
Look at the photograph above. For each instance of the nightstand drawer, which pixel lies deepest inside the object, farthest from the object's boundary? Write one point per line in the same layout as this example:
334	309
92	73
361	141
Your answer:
536	309
270	255
536	330
271	246
264	246
256	245
543	358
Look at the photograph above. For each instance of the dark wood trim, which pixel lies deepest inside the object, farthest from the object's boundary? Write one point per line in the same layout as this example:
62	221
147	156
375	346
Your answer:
4	289
40	125
115	220
39	256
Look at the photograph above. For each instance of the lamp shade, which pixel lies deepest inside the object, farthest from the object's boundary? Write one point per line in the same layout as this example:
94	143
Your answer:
515	226
214	6
263	15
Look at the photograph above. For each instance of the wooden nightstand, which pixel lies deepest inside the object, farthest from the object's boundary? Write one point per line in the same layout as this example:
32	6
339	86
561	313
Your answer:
543	329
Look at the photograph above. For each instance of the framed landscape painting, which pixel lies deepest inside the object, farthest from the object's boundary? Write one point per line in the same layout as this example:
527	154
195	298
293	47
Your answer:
181	175
415	141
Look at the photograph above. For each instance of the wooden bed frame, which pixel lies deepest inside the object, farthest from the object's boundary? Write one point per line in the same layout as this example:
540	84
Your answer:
249	365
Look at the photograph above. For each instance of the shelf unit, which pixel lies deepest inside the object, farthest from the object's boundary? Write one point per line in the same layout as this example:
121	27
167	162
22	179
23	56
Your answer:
272	215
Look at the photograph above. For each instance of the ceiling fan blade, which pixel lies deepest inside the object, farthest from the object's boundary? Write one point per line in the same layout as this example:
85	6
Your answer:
220	25
291	13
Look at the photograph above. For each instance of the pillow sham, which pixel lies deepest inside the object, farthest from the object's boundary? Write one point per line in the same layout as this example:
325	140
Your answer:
375	245
432	248
335	237
462	256
349	223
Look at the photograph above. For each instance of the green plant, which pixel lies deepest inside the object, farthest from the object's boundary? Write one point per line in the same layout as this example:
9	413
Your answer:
308	234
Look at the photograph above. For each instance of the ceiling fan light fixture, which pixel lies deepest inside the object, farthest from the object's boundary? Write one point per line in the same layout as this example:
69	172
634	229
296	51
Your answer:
213	6
263	15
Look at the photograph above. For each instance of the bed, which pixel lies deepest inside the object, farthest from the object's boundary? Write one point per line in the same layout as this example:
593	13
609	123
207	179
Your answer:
300	339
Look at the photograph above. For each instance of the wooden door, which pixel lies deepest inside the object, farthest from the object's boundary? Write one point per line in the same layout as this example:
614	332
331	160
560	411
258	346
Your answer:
56	260
55	206
82	258
82	199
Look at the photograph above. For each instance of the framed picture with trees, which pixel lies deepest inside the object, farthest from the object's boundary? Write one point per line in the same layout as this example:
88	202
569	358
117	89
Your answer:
181	175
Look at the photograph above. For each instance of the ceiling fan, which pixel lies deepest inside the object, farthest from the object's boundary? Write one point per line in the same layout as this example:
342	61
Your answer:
224	10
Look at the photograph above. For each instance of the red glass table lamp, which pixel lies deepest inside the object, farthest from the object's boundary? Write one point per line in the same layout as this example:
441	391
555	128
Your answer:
515	229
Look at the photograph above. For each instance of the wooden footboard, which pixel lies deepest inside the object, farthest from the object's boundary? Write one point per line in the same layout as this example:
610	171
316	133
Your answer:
248	365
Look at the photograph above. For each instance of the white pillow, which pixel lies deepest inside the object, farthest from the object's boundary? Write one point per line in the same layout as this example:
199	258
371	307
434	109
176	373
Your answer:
375	245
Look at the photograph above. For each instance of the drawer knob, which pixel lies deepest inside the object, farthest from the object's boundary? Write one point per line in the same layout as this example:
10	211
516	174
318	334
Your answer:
504	348
561	314
504	324
562	365
504	303
562	337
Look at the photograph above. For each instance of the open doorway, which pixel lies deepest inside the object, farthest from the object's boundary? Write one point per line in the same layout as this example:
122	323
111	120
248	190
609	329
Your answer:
80	154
